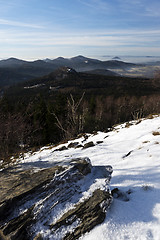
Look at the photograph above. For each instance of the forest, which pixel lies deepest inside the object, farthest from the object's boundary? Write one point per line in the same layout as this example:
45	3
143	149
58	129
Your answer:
51	109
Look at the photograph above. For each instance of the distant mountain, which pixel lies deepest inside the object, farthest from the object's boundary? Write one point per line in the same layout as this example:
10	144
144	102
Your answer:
15	70
81	63
11	62
60	61
114	64
103	72
116	58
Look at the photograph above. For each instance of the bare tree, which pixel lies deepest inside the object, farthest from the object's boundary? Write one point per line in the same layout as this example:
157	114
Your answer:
74	123
137	114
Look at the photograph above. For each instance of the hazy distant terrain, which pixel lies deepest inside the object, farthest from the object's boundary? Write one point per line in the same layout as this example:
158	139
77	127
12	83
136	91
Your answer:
146	70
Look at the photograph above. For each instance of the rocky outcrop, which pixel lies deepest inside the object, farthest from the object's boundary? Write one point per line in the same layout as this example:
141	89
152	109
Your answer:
17	228
86	215
18	186
50	202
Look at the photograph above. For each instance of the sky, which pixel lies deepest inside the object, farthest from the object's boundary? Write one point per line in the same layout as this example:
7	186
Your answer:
37	29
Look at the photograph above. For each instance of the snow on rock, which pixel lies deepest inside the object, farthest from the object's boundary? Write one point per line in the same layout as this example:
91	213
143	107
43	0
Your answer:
138	176
52	202
133	151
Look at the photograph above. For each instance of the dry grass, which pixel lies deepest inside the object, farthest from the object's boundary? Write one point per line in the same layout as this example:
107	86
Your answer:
128	124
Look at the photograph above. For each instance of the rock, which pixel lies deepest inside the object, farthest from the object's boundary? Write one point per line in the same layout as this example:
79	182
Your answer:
61	148
73	144
89	213
82	164
16	229
2	237
84	135
31	201
15	186
38	237
106	137
126	155
79	146
89	144
99	142
116	193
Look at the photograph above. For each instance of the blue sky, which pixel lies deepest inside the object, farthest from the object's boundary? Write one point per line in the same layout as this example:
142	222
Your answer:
32	29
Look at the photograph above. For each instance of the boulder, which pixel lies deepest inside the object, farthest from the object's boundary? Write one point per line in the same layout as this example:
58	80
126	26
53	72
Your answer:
31	201
82	164
73	144
89	144
61	149
89	213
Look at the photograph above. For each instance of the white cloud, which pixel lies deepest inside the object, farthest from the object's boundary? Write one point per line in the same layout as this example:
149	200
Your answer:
91	38
97	5
18	24
41	43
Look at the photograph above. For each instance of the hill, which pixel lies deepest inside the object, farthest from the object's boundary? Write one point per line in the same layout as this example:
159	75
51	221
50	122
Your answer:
102	72
67	79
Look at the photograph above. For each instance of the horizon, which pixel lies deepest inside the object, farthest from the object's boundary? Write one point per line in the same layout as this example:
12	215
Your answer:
38	29
124	58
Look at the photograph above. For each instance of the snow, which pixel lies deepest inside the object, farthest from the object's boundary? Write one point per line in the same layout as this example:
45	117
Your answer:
35	86
69	69
134	153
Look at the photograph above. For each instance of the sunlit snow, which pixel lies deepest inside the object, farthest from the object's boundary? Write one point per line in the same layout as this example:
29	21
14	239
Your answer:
134	153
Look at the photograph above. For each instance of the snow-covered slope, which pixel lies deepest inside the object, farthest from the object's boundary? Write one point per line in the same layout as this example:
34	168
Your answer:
133	150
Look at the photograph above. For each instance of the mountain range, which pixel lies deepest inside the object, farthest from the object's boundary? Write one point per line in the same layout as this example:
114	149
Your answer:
14	70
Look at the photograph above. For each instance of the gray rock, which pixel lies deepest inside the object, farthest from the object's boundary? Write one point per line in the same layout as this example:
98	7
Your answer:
99	142
73	144
82	164
61	148
16	229
31	199
15	186
89	144
79	146
90	213
116	193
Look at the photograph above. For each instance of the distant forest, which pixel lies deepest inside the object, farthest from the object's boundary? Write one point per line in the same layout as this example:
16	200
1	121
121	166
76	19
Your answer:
63	104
